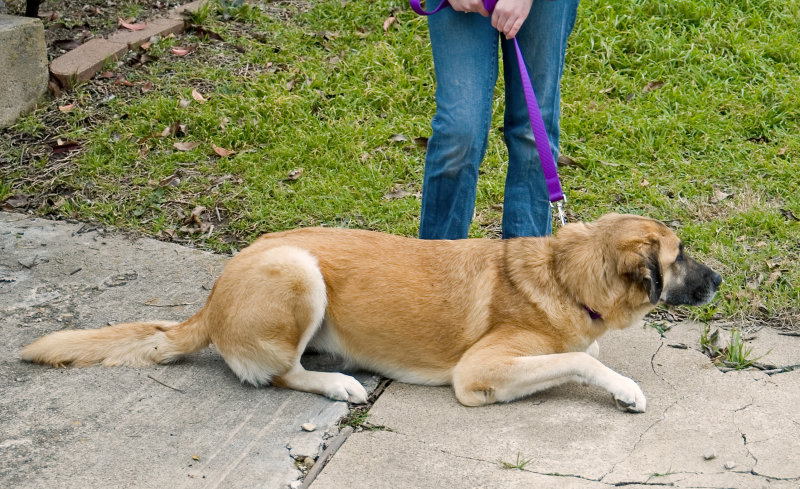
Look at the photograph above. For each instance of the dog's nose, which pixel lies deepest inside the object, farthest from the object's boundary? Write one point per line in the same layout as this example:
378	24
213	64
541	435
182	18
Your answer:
716	279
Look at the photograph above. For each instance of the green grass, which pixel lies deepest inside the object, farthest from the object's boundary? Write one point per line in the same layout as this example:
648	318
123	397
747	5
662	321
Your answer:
735	355
320	86
519	464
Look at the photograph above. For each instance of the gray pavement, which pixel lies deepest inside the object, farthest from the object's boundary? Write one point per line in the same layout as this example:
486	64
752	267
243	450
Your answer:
186	425
573	436
194	425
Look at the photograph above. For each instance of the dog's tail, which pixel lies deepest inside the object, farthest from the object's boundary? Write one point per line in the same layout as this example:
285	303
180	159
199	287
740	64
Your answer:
134	344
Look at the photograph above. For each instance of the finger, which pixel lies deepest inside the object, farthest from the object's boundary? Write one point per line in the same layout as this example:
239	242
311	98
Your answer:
498	20
483	11
512	31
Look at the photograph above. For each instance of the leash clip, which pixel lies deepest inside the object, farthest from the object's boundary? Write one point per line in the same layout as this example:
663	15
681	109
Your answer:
560	208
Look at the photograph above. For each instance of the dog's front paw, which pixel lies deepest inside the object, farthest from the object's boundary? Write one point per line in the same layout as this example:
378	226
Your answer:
346	388
628	396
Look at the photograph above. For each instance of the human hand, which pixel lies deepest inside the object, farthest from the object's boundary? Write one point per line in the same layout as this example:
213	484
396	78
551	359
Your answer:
508	16
470	6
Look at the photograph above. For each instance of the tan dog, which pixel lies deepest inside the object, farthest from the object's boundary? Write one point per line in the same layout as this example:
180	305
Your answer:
496	319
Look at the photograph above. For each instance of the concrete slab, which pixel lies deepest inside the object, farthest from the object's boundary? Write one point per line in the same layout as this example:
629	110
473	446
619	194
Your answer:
186	425
574	437
23	66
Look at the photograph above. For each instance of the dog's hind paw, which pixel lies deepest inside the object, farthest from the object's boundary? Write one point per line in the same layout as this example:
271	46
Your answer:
629	397
346	388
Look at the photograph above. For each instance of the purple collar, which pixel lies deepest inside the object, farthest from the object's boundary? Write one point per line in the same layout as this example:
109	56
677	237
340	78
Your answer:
592	313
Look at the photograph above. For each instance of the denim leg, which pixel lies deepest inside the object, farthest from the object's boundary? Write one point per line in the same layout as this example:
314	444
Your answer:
543	42
465	62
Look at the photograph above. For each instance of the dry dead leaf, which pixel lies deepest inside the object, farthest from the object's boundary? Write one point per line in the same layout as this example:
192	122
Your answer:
397	138
222	151
144	151
788	214
564	160
397	193
195	457
294	175
388	22
106	74
196	95
653	85
186	146
184	103
644	183
133	27
195	216
718	196
121	80
171	181
773	277
55	88
145	45
179	51
15	202
66	108
290	84
147	86
783	150
65	146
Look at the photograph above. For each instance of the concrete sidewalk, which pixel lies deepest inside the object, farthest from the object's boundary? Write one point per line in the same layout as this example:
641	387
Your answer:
703	428
186	425
194	425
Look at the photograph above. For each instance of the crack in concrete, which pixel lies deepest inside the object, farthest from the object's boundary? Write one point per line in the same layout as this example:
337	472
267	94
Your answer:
653	366
496	463
744	436
641	437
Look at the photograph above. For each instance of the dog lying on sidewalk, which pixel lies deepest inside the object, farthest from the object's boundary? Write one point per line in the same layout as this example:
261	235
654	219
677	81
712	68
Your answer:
498	320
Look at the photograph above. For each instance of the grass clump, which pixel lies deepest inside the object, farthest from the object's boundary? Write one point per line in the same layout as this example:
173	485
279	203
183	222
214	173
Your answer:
519	464
736	354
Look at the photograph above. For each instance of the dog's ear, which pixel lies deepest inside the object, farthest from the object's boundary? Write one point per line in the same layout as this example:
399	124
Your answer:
653	280
638	261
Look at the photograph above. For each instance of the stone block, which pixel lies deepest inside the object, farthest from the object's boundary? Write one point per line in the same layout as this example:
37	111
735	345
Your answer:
155	27
23	66
83	62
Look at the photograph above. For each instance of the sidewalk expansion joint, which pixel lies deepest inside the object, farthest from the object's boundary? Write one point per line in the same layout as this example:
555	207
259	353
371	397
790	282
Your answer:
353	422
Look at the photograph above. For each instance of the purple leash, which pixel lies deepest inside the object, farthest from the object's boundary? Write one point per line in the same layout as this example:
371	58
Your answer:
537	124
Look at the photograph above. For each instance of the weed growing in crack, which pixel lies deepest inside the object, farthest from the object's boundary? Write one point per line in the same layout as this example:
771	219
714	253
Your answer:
660	326
659	474
708	341
736	355
357	419
519	464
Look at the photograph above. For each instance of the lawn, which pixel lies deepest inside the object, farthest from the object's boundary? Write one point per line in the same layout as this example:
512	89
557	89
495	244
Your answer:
297	113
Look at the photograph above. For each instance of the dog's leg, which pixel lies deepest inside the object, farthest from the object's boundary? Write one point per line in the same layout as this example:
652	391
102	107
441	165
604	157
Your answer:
484	377
336	386
266	310
593	350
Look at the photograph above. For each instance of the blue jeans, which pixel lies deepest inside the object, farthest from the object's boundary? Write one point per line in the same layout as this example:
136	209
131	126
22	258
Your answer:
465	61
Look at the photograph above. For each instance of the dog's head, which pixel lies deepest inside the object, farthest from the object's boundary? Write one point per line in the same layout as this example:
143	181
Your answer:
651	256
